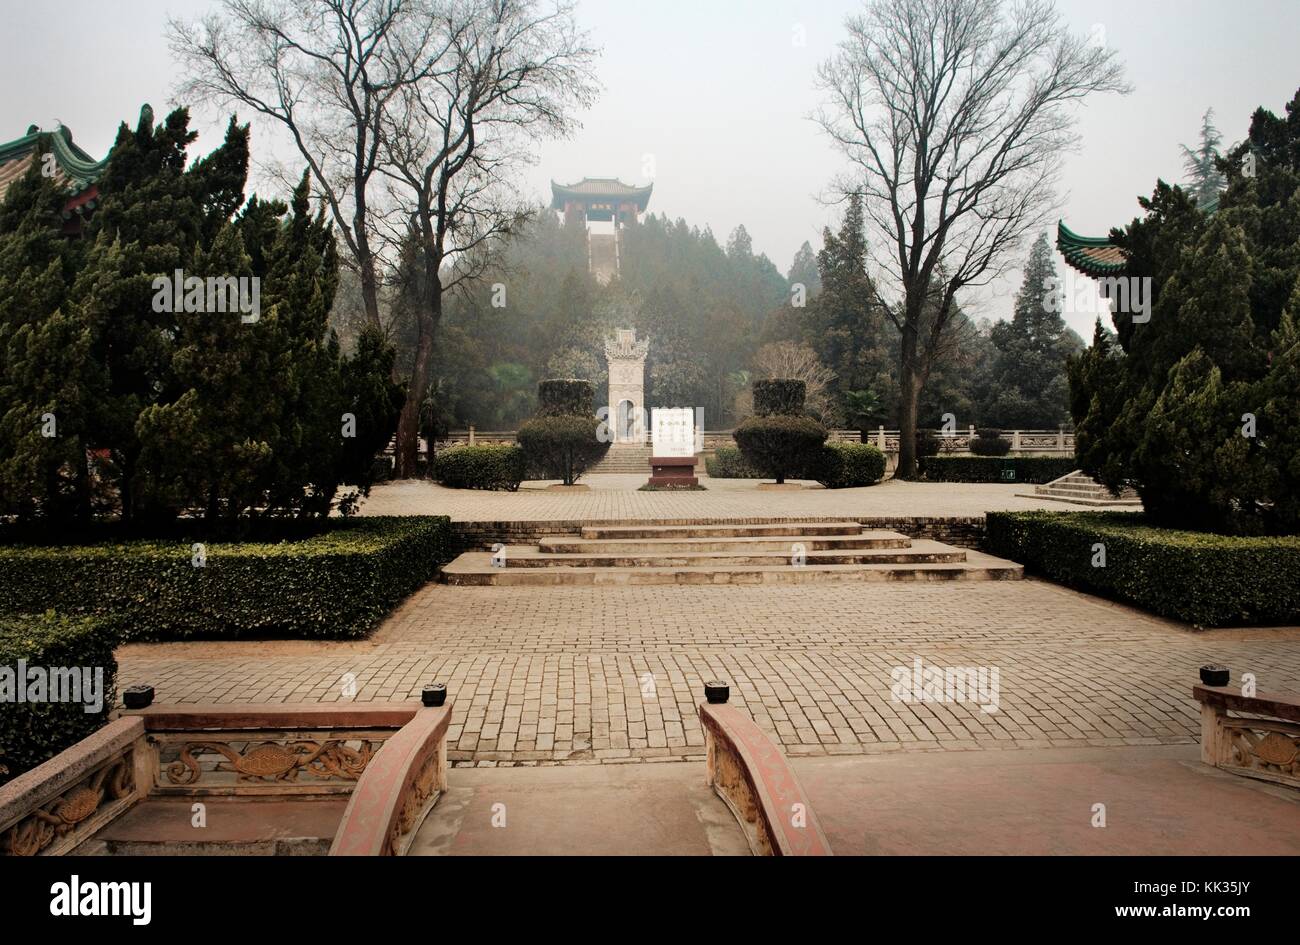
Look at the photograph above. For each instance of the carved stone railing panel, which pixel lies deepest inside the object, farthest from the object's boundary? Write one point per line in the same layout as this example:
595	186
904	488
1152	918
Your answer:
1262	741
54	807
400	786
753	778
317	762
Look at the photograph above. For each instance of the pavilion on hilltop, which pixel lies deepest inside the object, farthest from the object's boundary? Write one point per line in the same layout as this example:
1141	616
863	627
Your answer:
604	200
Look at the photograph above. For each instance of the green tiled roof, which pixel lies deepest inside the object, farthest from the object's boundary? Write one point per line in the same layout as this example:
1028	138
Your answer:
77	168
1094	256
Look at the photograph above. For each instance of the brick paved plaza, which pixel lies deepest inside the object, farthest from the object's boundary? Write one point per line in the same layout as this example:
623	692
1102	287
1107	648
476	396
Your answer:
616	497
608	675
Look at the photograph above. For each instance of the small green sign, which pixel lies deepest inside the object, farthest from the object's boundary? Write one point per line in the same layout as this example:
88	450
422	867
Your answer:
1009	473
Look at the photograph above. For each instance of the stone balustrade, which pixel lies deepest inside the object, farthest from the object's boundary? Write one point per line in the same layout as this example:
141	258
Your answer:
1262	740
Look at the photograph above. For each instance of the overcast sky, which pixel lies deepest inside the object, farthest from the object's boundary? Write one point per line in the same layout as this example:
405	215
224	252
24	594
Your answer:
718	93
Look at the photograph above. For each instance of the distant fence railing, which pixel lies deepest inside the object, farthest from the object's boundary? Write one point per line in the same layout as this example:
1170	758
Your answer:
1022	441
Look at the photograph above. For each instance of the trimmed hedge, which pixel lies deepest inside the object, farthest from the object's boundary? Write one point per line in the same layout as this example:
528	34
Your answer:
727	462
778	396
333	586
848	465
779	444
558	397
562	446
990	443
1204	579
33	732
491	466
1032	469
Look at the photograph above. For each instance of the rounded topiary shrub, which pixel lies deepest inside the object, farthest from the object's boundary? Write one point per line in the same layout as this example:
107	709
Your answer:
562	446
848	465
779	445
990	443
727	462
779	439
779	396
489	466
560	397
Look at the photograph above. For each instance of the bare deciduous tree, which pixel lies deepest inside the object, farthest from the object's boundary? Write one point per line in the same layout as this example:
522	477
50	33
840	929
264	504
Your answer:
511	72
326	71
954	115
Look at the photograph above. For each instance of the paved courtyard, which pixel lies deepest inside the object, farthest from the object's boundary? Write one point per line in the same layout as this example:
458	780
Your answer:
611	675
616	497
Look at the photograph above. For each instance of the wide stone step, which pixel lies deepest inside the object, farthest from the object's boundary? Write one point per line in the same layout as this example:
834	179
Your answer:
475	568
1088	491
867	539
721	531
920	553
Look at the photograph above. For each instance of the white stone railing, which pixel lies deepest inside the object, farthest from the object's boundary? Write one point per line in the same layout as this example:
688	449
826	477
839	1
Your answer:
1022	441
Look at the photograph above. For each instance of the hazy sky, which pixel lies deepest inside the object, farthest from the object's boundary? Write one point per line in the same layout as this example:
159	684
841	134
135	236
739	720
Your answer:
718	93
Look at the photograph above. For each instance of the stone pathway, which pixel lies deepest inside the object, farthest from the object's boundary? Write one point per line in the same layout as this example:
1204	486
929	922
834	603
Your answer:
610	675
616	497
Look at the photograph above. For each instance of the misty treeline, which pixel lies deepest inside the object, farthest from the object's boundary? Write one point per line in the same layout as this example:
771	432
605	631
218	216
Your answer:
718	316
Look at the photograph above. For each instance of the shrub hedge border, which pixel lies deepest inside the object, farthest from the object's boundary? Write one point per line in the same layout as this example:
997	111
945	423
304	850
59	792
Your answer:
332	586
1030	469
1203	579
34	732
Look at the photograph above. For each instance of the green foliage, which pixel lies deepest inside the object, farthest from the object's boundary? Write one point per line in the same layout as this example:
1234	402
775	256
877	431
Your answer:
564	397
990	443
1026	385
562	447
927	444
1207	580
727	462
779	444
333	586
490	466
33	732
847	465
215	413
1196	408
1035	469
778	396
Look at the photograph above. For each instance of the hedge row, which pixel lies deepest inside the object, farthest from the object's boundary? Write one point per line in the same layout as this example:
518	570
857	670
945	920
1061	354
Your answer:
1204	579
334	585
848	465
1032	469
490	466
33	732
727	462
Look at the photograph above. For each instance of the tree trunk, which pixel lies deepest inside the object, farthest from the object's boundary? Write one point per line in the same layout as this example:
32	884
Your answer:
909	398
408	423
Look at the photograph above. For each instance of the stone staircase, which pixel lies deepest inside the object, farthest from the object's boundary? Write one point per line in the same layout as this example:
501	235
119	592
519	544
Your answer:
624	459
1078	488
775	553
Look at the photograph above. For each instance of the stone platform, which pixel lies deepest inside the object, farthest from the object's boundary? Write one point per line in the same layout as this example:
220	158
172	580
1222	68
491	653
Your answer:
779	552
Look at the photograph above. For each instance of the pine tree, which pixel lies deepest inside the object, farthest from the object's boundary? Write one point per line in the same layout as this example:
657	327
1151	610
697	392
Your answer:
1204	179
1028	388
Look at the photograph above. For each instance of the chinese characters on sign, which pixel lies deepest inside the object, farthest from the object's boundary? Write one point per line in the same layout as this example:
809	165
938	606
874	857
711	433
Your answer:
673	431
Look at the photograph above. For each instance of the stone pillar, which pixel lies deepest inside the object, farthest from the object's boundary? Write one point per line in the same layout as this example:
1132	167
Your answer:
1015	441
880	438
627	413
